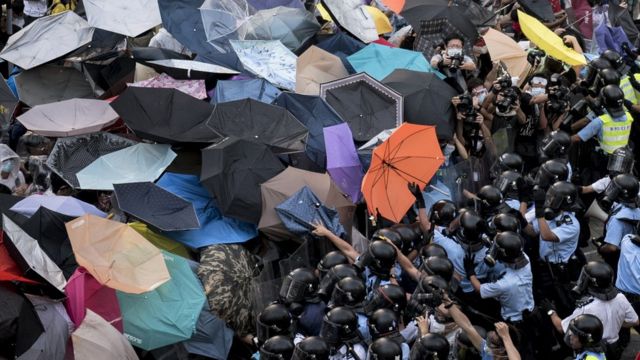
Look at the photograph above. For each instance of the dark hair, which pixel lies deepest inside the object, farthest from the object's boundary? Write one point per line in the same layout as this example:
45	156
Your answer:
453	36
474	82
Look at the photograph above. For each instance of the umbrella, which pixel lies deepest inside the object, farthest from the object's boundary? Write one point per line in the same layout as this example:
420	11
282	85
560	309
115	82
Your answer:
269	4
51	345
503	48
116	255
137	163
476	12
159	115
287	183
47	38
160	241
65	205
96	339
365	151
316	66
69	117
109	78
9	270
257	89
548	41
383	25
341	45
294	27
156	206
20	326
226	272
410	154
8	103
303	210
254	120
394	5
195	88
342	160
190	69
72	154
449	20
50	83
222	18
427	100
353	17
315	114
85	293
145	54
214	227
365	104
232	171
379	61
125	17
269	59
212	338
540	9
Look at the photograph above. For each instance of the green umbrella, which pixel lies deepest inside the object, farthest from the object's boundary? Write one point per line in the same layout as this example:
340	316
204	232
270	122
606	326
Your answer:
167	314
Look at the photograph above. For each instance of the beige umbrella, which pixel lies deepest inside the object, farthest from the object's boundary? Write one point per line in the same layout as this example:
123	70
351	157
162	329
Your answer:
505	49
96	339
316	66
116	255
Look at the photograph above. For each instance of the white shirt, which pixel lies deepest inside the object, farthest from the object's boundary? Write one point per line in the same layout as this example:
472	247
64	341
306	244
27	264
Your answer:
600	185
342	354
612	313
35	8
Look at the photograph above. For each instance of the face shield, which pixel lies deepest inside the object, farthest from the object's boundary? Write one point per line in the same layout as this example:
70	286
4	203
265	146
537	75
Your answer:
340	297
265	332
299	354
334	333
293	290
583	283
267	355
619	163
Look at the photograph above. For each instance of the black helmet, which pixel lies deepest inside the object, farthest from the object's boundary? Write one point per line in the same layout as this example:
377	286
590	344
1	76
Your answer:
507	161
311	348
596	278
613	100
443	212
507	248
334	275
349	292
551	172
490	199
300	285
561	196
279	347
588	328
274	320
616	61
622	189
440	266
430	346
428	295
330	260
506	222
384	349
620	161
555	145
410	237
388	296
609	77
472	227
383	323
433	250
593	69
509	183
340	325
388	234
379	258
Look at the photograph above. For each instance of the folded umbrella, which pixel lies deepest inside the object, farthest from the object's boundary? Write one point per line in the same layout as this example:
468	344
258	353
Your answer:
365	104
303	210
167	314
52	343
126	17
116	255
96	339
47	38
137	163
223	18
353	17
379	61
410	155
69	117
316	66
20	326
156	206
257	89
503	48
195	88
294	27
8	103
269	59
190	69
342	160
50	83
160	241
65	205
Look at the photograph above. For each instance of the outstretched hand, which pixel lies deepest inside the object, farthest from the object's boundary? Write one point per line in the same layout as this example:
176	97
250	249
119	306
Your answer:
321	230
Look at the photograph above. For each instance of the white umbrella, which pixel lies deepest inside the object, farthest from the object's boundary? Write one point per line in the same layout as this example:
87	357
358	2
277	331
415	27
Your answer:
353	16
126	17
96	339
269	59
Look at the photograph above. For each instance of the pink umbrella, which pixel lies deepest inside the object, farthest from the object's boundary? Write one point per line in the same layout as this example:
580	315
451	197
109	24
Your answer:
84	292
195	88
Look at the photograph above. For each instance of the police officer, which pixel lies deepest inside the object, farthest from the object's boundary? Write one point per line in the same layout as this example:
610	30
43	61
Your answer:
442	213
299	291
388	296
555	145
506	161
628	279
430	346
619	162
311	348
332	277
330	260
278	347
489	202
511	185
350	292
340	331
584	335
384	323
618	64
385	349
274	320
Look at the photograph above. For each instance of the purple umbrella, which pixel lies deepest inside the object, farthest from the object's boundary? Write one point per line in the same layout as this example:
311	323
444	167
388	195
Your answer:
342	160
270	4
66	205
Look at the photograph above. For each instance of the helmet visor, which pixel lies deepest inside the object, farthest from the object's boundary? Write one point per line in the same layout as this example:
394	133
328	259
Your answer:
619	163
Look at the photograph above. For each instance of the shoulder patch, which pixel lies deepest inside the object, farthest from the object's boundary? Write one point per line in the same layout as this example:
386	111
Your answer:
567	220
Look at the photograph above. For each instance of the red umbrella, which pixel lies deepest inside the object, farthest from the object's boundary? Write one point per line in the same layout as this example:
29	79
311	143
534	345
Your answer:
9	270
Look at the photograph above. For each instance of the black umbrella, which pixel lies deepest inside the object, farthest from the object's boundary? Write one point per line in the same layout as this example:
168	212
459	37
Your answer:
540	9
232	171
20	326
50	83
432	33
254	120
427	99
110	78
341	45
191	69
145	54
478	14
365	104
156	206
165	115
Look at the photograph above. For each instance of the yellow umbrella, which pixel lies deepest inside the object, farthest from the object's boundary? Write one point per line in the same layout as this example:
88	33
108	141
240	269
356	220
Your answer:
383	25
161	242
316	66
505	49
548	41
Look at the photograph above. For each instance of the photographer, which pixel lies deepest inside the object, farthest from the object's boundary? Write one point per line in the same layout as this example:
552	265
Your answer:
452	60
502	109
529	132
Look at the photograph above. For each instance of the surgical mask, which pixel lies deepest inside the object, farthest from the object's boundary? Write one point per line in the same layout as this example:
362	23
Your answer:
7	166
537	91
454	52
435	327
481	96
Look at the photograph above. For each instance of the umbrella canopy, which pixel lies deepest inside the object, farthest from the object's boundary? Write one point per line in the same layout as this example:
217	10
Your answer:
156	206
269	59
303	210
167	314
20	326
341	44
383	25
294	27
8	103
159	115
65	205
212	337
72	154
137	163
9	269
316	66
548	41
190	69
226	272
195	88
287	183
50	83
47	38
342	160
410	154
110	78
353	17
232	171
315	114
269	4
365	104
222	18
96	339
257	89
214	227
69	117
542	10
85	293
379	61
256	121
160	241
503	48
51	345
427	100
125	17
116	255
145	54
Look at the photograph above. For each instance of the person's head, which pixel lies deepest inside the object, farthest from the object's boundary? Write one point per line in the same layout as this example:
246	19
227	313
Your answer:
561	196
477	89
555	145
390	235
596	279
620	161
442	213
277	348
311	348
495	346
472	228
430	346
340	325
537	85
274	320
506	161
584	333
383	323
429	294
6	168
409	236
299	286
550	172
613	99
335	274
490	199
510	183
622	189
454	41
507	247
440	266
384	349
379	258
330	260
432	249
388	296
349	292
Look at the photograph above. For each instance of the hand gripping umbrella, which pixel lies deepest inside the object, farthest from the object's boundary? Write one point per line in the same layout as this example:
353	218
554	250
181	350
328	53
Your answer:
302	211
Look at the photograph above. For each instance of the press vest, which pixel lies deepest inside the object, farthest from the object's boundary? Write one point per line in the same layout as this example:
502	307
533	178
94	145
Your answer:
615	134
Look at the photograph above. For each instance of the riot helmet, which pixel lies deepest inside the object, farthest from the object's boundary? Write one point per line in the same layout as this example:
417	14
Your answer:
383	323
440	266
311	348
349	292
384	349
410	237
443	212
507	247
433	249
555	145
506	222
561	196
430	347
330	260
509	183
278	347
388	234
489	200
471	231
506	161
616	61
613	100
622	189
334	275
274	320
387	296
620	161
596	278
550	172
589	330
300	285
379	258
340	325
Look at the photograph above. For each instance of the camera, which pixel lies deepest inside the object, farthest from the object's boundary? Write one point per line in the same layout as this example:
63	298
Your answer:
456	61
558	99
465	107
509	98
534	56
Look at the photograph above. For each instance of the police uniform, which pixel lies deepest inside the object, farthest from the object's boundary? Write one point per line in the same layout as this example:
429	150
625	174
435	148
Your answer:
513	203
343	353
514	290
310	321
628	280
363	326
612	133
590	355
455	252
372	281
484	272
621	222
628	90
567	228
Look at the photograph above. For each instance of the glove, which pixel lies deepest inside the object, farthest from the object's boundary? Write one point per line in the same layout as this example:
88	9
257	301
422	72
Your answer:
417	193
538	201
469	266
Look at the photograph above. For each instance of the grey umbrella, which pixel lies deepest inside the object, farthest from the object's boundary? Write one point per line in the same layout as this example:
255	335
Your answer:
293	27
51	345
50	83
127	17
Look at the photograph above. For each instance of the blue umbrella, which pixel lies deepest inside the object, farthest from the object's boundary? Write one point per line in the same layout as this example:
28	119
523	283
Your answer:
303	209
270	4
342	45
214	227
379	61
257	89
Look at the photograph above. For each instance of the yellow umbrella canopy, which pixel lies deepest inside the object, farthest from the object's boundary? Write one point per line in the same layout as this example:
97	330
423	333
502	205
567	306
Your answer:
316	66
548	41
160	241
505	49
116	255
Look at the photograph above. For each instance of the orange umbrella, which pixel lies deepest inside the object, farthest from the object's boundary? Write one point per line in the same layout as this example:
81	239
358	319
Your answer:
410	154
394	5
116	255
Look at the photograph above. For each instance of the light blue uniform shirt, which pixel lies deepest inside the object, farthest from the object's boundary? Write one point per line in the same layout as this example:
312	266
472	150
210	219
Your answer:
483	271
629	266
514	291
617	227
567	228
513	203
453	249
363	327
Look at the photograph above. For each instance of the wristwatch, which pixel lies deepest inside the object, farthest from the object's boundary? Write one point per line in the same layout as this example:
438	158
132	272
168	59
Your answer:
551	312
